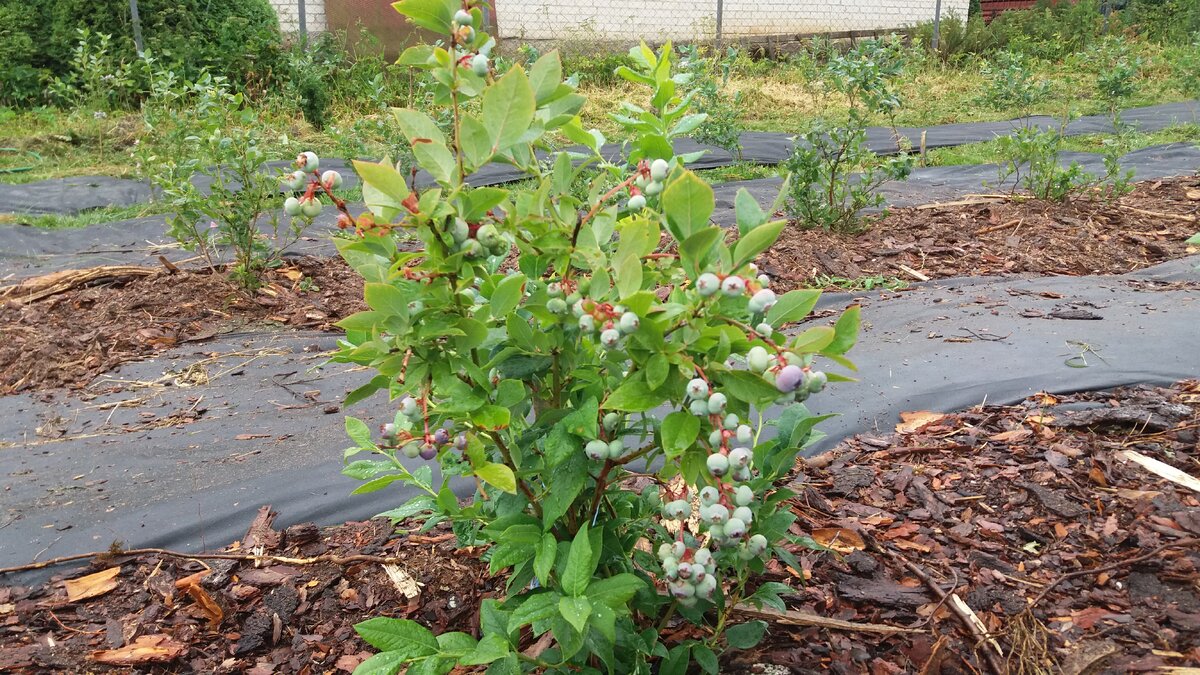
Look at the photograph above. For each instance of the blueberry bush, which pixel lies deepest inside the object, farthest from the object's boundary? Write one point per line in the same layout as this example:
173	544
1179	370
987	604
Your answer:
596	369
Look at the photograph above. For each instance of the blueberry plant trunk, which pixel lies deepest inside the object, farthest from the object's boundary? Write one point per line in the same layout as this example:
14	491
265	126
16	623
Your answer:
597	361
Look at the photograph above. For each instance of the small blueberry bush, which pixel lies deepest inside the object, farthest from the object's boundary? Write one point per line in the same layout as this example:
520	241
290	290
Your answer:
598	368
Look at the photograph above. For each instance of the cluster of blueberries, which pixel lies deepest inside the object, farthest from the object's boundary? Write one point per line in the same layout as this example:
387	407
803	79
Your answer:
309	204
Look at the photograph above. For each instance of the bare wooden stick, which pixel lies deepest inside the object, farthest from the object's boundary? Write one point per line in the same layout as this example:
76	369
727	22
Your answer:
326	558
37	288
1160	214
794	618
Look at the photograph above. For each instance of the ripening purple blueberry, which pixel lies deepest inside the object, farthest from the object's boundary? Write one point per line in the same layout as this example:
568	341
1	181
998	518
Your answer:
733	286
740	457
717	403
428	451
735	529
460	442
441	437
610	338
789	378
707	284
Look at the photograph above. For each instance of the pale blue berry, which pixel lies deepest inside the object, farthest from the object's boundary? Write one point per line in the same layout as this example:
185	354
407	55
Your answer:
610	338
743	514
735	528
697	388
629	322
636	203
740	457
596	450
659	169
733	286
587	323
717	403
709	495
707	284
745	435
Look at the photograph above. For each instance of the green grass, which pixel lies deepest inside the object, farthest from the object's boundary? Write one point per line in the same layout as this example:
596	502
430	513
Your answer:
107	214
989	152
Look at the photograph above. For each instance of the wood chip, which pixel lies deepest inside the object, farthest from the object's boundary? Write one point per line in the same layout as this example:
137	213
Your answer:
403	581
146	649
92	585
1164	471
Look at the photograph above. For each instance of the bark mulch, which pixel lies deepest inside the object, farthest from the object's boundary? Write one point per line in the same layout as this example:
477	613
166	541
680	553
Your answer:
1036	519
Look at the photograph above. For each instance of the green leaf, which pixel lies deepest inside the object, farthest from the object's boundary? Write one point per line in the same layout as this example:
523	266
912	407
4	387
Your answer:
507	295
583	420
543	562
545	75
378	382
634	395
434	15
491	417
746	386
498	475
476	142
507	108
688	203
657	369
615	591
705	658
404	637
417	126
756	241
846	330
698	249
768	594
386	298
383	663
748	213
568	479
363	321
389	185
745	635
679	431
359	432
792	306
436	159
581	564
576	611
813	340
377	484
677	660
1193	240
490	648
535	608
509	665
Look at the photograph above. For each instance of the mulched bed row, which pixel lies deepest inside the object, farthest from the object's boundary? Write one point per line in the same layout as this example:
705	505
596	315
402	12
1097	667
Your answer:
997	506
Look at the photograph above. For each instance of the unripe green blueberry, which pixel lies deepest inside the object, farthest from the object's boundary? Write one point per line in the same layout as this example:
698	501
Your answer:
697	388
629	322
618	309
415	306
459	231
610	338
596	450
463	18
716	530
556	306
295	180
817	381
793	359
764	280
753	268
758	359
706	586
745	435
717	403
718	514
699	407
739	457
718	465
636	203
671	569
678	510
707	284
331	180
735	528
587	323
762	301
664	551
311	208
641	181
709	495
733	286
741	474
659	169
554	289
653	187
615	449
409	407
715	438
576	305
685	570
757	544
488	235
611	420
744	553
308	161
411	450
743	495
702	556
471	248
731	421
764	329
681	589
743	514
789	378
291	206
678	549
574	299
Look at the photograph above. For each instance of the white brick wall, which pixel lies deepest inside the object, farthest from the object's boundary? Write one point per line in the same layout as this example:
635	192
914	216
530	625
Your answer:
289	15
695	20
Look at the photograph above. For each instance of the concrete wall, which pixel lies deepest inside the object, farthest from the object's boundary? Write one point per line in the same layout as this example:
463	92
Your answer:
695	20
289	15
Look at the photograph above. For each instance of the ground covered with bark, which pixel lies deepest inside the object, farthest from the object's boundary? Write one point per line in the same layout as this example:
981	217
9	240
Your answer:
1058	534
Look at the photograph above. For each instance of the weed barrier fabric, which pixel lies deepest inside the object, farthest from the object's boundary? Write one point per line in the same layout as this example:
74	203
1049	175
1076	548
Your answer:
29	251
67	196
201	437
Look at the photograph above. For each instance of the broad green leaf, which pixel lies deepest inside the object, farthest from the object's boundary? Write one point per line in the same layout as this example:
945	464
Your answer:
698	249
509	665
534	608
498	475
507	295
813	340
507	108
581	564
657	369
476	142
706	659
846	330
615	591
386	298
545	75
576	611
405	637
491	417
384	178
792	306
417	126
434	15
583	420
634	395
679	431
383	663
543	561
567	479
746	386
745	635
359	432
756	241
489	648
688	203
748	213
768	594
363	321
437	160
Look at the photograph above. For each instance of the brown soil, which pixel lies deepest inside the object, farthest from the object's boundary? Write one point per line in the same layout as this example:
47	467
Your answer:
1074	238
68	339
994	505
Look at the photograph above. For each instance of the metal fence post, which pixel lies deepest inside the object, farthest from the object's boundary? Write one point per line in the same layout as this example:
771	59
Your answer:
137	27
720	13
937	25
304	24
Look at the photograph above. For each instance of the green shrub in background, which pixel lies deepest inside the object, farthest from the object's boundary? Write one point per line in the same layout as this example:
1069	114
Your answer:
38	38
